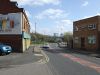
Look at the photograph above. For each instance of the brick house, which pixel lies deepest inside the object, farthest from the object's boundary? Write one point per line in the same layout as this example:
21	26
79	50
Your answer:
14	26
86	34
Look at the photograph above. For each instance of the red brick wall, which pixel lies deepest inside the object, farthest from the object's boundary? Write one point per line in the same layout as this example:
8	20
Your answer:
14	40
86	32
9	7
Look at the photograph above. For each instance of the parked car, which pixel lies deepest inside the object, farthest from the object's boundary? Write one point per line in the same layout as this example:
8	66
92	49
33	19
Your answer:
62	44
5	49
46	46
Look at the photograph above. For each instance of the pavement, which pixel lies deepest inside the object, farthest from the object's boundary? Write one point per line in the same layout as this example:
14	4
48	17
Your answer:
88	53
36	68
28	69
93	54
14	59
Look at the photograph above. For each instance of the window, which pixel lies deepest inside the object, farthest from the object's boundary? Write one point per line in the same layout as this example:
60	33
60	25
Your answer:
91	39
92	26
76	39
75	28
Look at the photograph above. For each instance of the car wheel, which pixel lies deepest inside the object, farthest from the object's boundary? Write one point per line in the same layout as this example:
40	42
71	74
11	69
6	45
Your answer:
0	52
7	53
3	53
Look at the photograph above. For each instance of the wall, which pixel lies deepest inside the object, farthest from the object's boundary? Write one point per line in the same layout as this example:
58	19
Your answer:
12	24
25	33
26	44
11	33
15	41
83	31
6	22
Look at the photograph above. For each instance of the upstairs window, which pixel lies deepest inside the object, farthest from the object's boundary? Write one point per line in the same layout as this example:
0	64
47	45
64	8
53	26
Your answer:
92	26
75	28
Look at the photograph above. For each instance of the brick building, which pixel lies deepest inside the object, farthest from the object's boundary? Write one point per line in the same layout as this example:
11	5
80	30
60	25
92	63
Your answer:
86	34
14	26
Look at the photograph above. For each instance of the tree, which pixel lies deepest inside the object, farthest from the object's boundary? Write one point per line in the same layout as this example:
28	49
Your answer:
68	38
41	38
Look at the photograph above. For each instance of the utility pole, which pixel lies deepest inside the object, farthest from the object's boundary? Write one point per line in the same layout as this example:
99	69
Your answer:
35	28
35	33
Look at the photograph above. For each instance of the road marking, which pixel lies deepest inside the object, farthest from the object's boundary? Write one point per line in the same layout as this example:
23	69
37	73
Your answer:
83	62
38	54
45	56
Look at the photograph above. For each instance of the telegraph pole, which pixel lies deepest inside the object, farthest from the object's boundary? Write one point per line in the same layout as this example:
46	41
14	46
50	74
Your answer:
35	28
35	33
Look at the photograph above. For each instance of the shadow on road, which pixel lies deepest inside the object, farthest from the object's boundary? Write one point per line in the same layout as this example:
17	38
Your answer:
72	51
58	50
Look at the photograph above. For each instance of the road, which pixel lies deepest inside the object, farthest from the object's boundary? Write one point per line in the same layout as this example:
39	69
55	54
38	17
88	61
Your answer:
68	62
54	61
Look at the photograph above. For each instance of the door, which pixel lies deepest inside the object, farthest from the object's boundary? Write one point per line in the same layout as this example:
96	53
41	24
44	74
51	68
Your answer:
82	42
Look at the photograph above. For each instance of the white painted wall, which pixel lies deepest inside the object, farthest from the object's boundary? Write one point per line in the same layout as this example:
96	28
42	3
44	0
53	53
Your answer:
17	17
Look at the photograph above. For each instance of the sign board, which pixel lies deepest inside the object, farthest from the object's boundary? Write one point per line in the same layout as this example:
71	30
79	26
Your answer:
11	23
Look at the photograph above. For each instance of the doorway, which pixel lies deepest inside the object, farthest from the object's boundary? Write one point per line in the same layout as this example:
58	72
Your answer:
82	43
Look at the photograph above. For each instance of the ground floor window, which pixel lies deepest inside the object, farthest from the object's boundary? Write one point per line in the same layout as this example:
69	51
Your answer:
76	40
92	39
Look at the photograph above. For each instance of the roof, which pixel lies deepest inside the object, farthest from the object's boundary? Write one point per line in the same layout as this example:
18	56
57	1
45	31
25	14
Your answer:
88	18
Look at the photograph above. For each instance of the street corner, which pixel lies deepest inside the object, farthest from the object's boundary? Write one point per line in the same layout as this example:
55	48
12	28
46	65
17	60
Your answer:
36	51
41	55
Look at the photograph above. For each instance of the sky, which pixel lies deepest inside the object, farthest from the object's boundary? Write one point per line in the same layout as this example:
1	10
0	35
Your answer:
57	16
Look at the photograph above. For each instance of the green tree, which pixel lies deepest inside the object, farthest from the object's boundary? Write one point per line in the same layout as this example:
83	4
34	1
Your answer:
67	36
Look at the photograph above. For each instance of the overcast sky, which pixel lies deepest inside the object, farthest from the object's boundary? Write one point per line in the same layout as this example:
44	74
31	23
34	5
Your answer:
57	16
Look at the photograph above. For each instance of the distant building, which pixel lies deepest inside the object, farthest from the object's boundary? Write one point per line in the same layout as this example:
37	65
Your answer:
14	26
86	34
55	35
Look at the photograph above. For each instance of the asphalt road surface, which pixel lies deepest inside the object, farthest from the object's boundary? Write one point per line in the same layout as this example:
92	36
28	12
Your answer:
14	59
59	61
68	62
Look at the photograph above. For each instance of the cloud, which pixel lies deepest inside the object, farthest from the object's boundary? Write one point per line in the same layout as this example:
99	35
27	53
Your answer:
66	22
45	31
40	29
52	14
64	26
87	17
98	14
28	14
85	3
32	27
59	27
37	2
